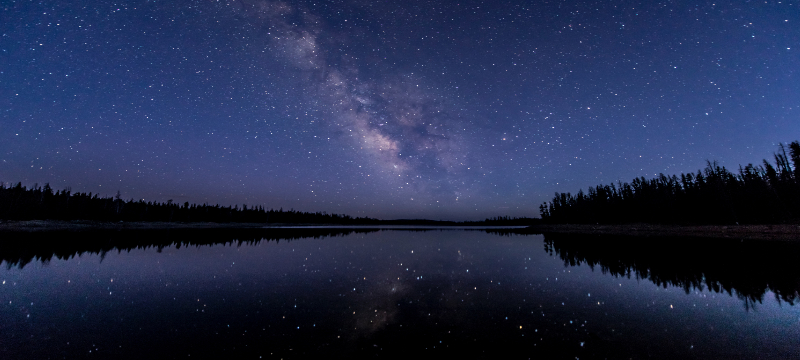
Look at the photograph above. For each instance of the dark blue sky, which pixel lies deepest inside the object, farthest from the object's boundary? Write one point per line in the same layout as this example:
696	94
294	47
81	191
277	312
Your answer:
389	109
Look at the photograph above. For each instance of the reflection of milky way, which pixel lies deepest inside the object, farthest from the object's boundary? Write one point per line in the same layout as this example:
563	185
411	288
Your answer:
403	128
378	306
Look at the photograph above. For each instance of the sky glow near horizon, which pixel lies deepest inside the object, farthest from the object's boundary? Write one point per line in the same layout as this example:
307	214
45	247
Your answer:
392	109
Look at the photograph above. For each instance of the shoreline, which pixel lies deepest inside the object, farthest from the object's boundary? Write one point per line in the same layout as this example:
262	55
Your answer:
80	225
86	225
783	232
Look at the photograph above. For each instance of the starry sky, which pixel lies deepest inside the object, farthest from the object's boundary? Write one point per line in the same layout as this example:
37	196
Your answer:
455	110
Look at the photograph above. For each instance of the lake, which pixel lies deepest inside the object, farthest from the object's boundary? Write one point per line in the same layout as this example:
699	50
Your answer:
392	293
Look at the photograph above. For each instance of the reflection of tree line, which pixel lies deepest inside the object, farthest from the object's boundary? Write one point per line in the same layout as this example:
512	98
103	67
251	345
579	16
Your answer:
756	195
747	269
19	249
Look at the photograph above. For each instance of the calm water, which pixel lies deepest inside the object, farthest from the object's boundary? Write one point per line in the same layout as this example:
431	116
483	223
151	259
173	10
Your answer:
395	293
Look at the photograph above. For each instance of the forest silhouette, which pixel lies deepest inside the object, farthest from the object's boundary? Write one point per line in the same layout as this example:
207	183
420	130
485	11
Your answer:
757	194
20	203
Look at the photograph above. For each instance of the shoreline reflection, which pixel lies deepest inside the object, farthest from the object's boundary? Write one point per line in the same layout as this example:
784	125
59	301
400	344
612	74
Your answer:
20	249
357	293
746	269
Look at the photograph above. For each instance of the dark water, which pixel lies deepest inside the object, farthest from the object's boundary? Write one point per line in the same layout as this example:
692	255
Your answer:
396	294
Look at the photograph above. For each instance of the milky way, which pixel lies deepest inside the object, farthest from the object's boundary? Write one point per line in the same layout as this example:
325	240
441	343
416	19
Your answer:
392	109
409	133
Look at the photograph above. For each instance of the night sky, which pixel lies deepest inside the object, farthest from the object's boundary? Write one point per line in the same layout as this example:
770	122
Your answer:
455	110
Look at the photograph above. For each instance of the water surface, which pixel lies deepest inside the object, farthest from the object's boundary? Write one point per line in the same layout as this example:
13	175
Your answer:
395	293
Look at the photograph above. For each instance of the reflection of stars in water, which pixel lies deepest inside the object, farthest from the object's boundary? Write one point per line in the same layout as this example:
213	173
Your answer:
448	286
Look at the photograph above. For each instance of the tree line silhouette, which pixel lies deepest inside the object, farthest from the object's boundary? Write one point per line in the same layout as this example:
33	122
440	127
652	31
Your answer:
41	203
18	202
757	194
745	269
